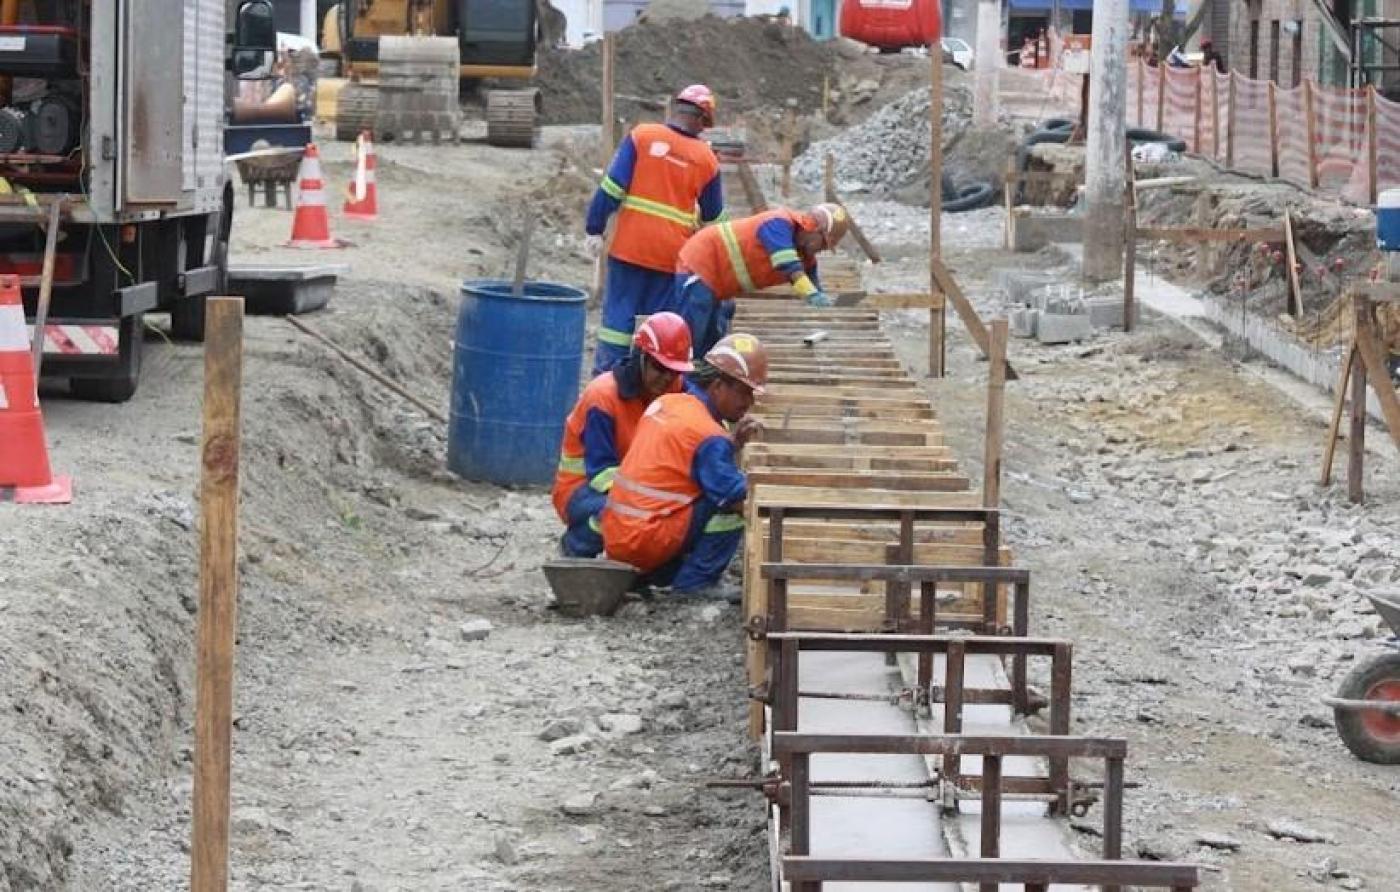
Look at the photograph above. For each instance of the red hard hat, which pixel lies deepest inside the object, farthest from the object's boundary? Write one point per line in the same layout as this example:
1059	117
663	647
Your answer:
703	98
665	338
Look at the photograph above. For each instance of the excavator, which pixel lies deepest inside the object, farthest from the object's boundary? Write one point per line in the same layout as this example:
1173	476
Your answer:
497	39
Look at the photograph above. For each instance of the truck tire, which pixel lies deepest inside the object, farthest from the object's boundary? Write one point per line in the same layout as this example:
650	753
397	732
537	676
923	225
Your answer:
123	386
1372	736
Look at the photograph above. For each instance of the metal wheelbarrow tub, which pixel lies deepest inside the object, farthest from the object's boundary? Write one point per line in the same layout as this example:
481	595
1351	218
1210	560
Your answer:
1388	606
589	586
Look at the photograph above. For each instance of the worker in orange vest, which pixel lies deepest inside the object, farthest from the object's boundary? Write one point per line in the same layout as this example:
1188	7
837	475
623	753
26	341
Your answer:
676	507
600	429
663	184
775	247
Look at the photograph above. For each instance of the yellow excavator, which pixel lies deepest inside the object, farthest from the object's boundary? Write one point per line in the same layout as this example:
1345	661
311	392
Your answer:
497	39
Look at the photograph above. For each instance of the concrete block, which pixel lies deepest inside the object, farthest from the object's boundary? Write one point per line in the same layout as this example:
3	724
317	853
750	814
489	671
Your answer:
1023	287
1057	328
1023	322
1105	312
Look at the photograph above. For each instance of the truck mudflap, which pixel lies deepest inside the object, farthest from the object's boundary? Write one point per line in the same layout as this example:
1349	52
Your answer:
85	338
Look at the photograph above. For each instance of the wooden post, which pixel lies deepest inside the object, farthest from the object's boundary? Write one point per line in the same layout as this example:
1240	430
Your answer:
522	256
1196	137
1310	118
1230	122
789	143
609	99
1356	439
1161	96
1142	89
1214	115
1295	287
937	318
1129	245
1372	143
996	399
1273	131
1329	447
829	177
41	308
218	592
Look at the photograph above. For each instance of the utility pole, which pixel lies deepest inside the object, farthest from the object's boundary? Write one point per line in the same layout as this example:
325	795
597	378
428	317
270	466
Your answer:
1105	166
987	62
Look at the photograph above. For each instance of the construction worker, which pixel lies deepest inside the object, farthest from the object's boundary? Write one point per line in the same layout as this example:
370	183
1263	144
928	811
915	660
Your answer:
600	428
676	507
659	177
772	248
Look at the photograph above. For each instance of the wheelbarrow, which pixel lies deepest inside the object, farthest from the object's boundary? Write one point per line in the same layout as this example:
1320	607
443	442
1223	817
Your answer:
1367	705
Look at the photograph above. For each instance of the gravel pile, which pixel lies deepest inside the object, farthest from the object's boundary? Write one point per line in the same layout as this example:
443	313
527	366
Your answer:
887	152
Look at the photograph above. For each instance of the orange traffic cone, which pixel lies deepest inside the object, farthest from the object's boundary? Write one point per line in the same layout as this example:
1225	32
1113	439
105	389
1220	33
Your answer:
311	225
362	197
25	475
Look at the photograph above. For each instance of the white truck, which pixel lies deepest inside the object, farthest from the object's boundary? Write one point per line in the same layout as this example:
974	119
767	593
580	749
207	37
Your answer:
114	110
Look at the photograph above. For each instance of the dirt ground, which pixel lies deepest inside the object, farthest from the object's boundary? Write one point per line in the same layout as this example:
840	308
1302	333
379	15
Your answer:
1163	496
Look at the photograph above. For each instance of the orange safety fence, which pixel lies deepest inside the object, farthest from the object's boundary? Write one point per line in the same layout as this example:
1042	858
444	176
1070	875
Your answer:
1313	135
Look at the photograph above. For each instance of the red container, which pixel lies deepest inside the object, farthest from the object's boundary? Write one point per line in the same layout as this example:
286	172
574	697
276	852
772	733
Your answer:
892	24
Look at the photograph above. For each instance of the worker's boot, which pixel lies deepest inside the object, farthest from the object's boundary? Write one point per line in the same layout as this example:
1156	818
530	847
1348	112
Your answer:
717	591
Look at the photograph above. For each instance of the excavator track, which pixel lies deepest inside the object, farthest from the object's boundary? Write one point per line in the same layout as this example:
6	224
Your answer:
513	117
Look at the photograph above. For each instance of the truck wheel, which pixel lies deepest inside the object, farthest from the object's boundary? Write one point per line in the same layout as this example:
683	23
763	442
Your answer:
187	319
122	387
1372	736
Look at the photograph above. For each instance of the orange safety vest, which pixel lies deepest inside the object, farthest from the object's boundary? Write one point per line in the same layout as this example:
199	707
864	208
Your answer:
729	257
601	393
659	207
648	513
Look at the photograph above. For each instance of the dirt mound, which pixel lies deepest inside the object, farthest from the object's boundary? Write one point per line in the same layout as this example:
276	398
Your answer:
749	62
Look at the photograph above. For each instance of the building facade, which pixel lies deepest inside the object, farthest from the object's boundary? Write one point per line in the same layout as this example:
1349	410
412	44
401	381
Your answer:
1289	41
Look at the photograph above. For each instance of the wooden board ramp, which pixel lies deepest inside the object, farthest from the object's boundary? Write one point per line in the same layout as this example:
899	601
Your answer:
889	640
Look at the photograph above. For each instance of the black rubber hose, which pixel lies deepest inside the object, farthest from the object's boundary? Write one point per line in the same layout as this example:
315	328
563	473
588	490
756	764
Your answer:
970	197
1058	124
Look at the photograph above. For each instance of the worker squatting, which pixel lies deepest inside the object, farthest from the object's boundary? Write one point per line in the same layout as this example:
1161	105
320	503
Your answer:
649	466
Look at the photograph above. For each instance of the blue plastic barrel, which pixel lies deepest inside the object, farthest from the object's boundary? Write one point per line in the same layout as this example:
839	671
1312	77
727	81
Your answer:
515	376
1388	220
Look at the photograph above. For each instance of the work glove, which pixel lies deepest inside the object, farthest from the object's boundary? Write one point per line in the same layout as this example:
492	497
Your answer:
820	299
593	246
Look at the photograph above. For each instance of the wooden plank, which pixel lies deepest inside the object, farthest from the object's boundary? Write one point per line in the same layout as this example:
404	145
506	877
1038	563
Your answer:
1372	144
903	301
752	191
1356	442
1334	428
925	533
804	550
966	312
865	480
799	496
937	317
1188	234
41	308
755	608
1130	244
218	593
847	462
1295	288
996	406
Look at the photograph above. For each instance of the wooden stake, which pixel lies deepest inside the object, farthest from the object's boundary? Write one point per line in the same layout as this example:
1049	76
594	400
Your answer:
1130	242
41	310
1334	429
1230	122
1196	133
967	313
218	592
1374	358
1214	115
522	256
1141	90
1295	288
1310	118
996	398
829	177
789	142
1273	131
609	99
1356	441
1161	97
1372	143
937	318
752	192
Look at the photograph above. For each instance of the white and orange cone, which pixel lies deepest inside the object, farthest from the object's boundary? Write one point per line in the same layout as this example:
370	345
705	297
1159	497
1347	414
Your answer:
362	196
311	224
25	475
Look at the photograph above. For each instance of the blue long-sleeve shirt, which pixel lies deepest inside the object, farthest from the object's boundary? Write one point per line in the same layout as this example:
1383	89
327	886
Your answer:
779	239
600	451
714	467
608	197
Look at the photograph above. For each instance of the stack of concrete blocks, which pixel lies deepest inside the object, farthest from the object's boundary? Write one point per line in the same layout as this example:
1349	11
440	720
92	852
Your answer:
418	83
1052	311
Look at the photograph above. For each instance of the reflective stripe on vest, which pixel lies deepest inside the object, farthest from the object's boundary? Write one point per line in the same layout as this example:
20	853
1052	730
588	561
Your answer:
651	492
612	189
571	465
614	337
724	523
657	209
736	256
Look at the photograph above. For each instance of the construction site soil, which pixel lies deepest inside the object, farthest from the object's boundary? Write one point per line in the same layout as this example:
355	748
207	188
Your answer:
386	738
